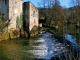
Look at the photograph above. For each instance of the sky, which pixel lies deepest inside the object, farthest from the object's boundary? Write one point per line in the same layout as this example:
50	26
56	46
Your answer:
64	3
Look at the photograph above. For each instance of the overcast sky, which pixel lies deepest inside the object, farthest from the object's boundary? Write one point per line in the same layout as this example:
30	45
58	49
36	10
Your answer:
63	2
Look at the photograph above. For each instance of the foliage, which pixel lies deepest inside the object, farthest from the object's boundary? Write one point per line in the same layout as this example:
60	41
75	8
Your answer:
19	21
4	35
58	16
3	25
53	13
61	19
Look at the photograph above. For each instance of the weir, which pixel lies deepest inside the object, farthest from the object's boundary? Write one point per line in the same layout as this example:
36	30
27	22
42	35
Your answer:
44	47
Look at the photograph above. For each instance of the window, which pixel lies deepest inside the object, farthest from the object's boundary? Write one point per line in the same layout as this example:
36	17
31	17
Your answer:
5	2
33	12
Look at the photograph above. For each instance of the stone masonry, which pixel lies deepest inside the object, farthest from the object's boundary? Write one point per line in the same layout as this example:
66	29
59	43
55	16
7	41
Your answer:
15	10
30	15
12	9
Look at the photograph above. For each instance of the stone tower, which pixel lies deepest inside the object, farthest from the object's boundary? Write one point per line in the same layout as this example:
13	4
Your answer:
30	13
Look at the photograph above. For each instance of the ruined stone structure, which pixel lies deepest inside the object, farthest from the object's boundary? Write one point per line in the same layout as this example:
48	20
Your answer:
30	16
13	10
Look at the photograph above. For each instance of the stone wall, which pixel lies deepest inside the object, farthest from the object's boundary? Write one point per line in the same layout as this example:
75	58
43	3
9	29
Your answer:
30	17
15	10
33	16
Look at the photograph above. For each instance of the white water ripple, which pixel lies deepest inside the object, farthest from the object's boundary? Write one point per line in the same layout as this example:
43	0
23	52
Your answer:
47	47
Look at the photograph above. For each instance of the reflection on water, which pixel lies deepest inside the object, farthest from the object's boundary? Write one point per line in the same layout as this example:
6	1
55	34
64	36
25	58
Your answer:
43	47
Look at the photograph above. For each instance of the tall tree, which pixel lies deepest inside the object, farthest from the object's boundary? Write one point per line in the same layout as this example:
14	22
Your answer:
53	13
75	17
76	5
45	10
58	15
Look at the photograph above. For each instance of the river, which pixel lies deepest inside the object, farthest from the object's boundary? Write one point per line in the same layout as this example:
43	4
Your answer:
45	46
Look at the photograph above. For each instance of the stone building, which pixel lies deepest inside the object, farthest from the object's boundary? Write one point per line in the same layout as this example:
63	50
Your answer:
30	13
12	9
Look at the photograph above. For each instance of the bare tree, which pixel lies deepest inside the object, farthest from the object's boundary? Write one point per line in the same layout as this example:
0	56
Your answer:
52	11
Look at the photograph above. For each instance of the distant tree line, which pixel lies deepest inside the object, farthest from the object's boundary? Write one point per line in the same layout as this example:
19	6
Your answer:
61	19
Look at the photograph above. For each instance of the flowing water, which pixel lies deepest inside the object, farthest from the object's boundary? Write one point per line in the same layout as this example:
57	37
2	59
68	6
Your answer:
43	47
70	38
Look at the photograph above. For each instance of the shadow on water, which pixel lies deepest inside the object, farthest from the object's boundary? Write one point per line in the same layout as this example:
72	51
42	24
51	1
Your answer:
2	55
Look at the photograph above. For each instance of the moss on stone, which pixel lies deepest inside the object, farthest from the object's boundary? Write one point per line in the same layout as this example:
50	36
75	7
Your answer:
14	34
4	36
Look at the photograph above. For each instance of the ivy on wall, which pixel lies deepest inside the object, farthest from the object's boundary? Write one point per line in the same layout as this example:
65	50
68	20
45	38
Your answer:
3	22
19	21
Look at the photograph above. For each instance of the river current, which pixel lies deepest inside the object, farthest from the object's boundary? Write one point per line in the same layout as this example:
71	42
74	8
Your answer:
45	46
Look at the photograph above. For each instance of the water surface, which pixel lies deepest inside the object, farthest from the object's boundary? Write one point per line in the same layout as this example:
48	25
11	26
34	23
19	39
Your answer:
43	47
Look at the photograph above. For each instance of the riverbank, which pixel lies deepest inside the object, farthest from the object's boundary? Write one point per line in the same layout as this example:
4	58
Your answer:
18	33
66	30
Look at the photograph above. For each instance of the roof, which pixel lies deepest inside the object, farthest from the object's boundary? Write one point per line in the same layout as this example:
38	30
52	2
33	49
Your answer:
31	3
